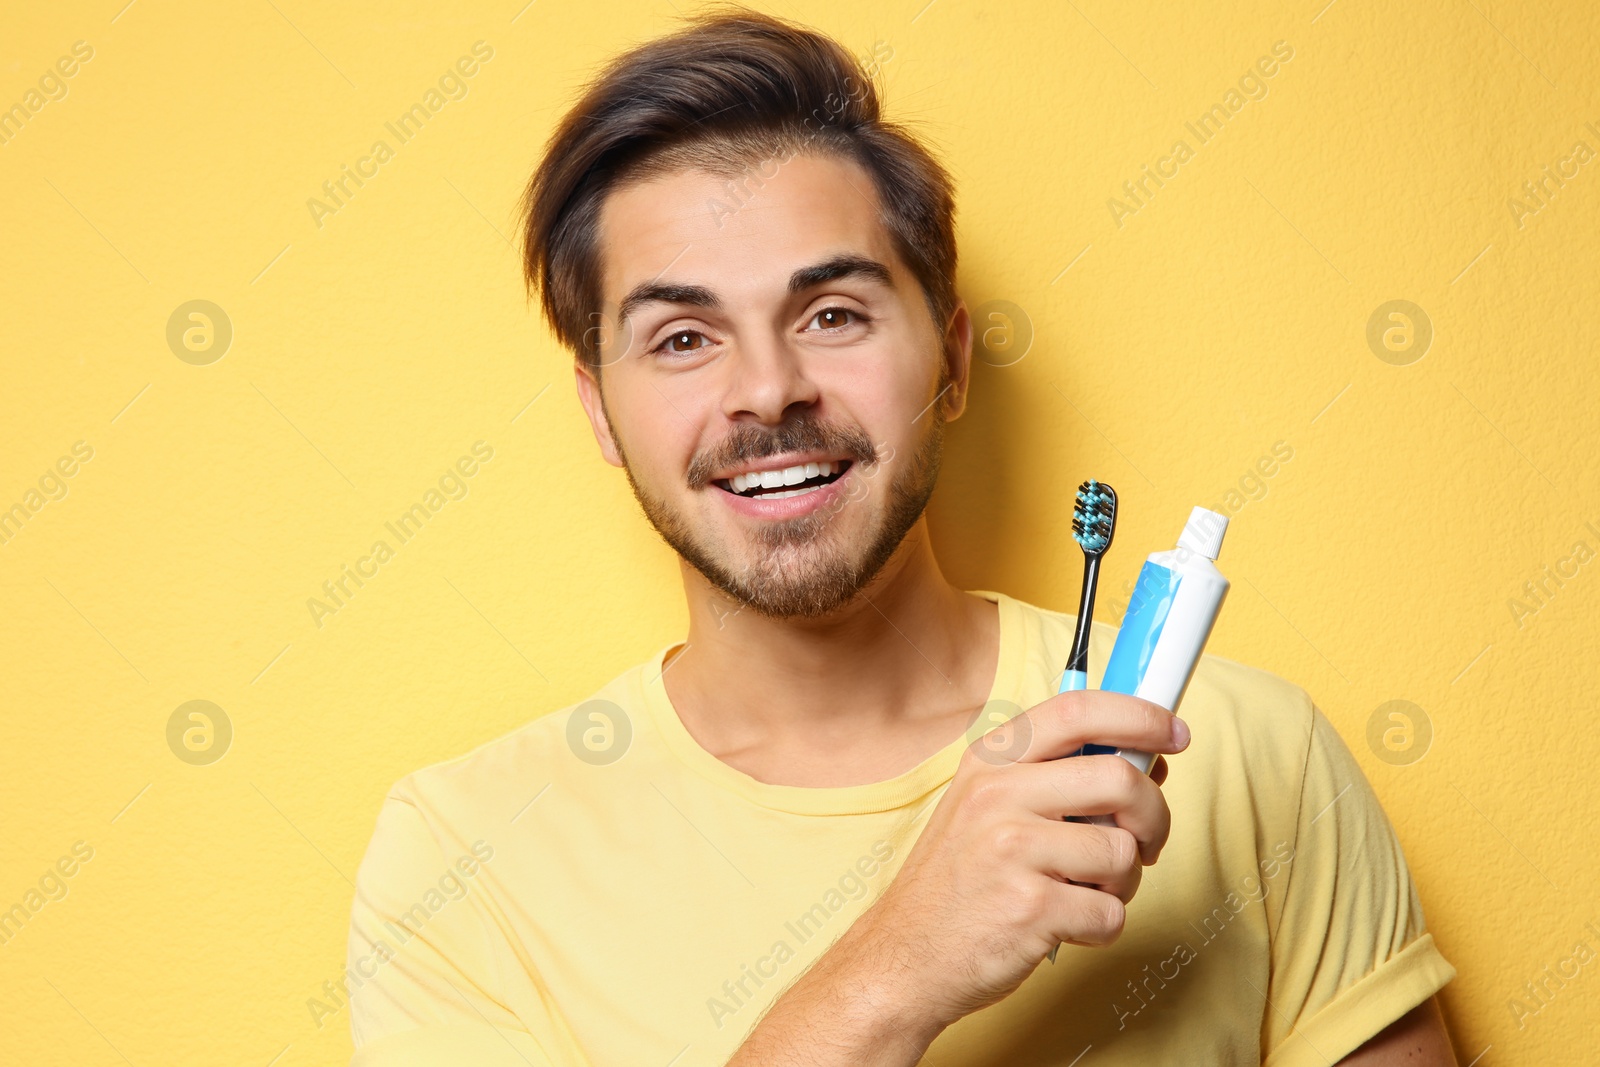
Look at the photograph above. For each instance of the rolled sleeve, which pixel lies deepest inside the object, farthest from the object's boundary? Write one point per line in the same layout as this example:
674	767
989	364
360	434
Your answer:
1350	951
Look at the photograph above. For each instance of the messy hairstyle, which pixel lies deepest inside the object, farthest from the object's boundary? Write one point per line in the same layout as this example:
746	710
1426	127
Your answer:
735	94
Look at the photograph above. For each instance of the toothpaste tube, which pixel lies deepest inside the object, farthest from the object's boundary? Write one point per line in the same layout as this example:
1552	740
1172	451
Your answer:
1174	605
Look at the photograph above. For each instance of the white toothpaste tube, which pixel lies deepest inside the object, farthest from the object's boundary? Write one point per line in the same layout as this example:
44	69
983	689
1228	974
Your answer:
1174	605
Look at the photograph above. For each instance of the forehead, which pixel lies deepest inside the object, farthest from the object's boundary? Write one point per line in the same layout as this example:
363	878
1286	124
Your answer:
740	235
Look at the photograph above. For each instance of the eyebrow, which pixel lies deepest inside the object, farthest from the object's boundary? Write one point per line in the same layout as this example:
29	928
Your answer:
846	265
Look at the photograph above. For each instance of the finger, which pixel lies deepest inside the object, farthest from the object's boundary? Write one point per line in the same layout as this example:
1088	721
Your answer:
1101	857
1084	916
1123	889
1158	771
1066	722
1094	785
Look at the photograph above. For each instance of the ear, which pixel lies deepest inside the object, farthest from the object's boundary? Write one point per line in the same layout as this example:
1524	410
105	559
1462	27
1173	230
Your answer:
594	407
958	360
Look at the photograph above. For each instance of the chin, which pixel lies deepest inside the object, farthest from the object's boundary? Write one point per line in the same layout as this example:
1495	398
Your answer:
783	590
791	580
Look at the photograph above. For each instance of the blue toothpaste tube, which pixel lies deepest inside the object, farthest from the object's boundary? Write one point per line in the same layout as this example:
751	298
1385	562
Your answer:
1174	605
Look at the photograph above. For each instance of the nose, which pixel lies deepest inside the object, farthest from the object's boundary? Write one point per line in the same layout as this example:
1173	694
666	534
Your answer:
768	378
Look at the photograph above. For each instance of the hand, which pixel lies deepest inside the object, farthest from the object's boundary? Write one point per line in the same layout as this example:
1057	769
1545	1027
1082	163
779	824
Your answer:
997	879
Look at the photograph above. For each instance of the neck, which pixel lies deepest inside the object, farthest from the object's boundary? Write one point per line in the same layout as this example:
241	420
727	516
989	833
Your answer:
858	695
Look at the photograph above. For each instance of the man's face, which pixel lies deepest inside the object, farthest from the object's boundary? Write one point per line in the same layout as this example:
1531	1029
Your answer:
776	388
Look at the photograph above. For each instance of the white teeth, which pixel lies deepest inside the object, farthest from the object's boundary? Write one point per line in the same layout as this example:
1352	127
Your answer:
790	492
777	479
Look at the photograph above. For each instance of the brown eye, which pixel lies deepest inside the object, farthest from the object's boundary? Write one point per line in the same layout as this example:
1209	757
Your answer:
835	318
682	342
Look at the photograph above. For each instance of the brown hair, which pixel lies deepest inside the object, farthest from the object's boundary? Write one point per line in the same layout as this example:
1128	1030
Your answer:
735	88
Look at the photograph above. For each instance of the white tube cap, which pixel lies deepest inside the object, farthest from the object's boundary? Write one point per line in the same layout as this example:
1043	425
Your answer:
1202	534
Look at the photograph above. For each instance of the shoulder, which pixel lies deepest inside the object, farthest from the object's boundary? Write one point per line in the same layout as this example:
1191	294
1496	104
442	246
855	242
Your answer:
1266	703
1255	765
496	778
1265	721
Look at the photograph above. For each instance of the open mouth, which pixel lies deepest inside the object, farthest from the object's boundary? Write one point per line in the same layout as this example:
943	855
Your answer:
781	482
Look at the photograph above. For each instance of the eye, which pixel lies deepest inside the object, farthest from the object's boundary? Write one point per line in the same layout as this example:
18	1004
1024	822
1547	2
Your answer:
833	318
680	343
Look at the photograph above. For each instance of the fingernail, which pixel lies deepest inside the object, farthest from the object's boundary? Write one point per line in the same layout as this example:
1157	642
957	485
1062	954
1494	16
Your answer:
1180	732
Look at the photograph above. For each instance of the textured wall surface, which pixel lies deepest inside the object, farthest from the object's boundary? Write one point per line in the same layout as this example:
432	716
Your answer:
1355	310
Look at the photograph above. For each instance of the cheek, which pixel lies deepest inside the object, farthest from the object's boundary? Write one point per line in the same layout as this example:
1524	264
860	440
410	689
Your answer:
658	429
886	397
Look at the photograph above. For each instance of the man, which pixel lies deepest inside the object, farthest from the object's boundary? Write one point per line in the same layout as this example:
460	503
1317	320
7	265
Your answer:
828	827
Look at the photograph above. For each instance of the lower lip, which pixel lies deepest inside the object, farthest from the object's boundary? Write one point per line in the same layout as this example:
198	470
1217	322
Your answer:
790	507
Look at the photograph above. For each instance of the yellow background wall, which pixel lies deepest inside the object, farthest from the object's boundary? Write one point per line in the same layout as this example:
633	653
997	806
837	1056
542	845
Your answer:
1175	342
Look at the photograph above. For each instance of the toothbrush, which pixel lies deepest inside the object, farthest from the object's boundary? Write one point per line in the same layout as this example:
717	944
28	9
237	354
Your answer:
1094	520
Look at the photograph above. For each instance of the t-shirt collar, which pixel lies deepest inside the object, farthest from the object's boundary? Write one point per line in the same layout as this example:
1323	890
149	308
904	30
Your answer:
888	795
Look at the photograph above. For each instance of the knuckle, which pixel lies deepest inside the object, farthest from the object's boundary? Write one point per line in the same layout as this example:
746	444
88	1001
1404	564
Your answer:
1029	901
1157	842
1071	707
1112	915
1009	841
1130	885
1163	809
1125	777
1113	775
1163	814
1157	719
1099	919
1124	849
986	792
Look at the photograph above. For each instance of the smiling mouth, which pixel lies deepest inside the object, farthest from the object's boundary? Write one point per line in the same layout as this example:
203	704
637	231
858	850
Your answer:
780	482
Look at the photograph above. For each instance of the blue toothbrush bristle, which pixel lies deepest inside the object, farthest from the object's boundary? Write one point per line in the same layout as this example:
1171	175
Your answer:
1094	514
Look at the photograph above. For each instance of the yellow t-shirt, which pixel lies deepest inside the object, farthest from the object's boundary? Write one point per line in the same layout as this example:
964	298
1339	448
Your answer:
595	888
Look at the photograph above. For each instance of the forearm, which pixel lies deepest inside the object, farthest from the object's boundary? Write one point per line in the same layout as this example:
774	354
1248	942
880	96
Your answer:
853	1007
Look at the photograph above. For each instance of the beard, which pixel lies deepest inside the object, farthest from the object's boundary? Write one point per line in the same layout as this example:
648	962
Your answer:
802	567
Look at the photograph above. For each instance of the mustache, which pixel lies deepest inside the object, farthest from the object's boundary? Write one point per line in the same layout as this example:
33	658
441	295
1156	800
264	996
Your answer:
747	442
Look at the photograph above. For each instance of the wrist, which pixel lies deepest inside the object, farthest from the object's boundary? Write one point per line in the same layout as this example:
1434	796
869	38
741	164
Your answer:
878	980
870	1000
